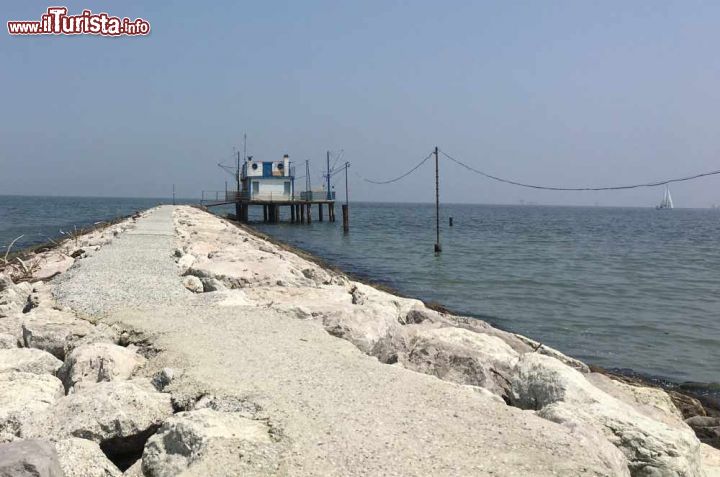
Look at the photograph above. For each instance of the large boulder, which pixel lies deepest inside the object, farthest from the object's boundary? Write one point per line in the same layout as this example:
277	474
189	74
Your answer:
97	362
12	296
84	458
463	357
51	264
655	403
208	442
363	326
31	458
561	394
24	395
711	460
8	341
28	360
118	415
54	331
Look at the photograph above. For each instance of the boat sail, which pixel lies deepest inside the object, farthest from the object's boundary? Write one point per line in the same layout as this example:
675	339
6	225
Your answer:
667	202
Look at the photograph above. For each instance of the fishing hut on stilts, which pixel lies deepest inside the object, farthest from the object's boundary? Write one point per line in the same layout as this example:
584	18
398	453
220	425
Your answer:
271	185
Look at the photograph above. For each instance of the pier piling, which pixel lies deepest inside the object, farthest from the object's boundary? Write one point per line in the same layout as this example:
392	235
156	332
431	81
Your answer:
346	218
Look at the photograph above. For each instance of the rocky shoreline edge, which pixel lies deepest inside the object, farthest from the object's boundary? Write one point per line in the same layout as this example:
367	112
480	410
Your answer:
87	397
692	399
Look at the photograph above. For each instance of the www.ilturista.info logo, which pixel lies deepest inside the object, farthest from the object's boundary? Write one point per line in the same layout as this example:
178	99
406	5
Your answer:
57	22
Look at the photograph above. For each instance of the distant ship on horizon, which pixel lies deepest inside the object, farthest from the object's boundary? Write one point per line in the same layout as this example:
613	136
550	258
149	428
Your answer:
667	202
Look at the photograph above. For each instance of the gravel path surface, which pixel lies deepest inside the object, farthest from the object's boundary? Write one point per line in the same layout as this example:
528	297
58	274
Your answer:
135	271
338	411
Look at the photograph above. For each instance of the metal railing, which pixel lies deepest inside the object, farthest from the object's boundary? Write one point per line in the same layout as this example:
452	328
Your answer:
221	196
317	195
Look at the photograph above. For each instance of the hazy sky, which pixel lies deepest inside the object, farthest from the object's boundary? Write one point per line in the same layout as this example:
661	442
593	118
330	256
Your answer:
564	93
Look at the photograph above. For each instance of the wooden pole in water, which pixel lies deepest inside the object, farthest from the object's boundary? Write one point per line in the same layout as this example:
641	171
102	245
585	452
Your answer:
302	213
238	205
346	206
320	212
292	213
309	213
346	218
438	249
328	178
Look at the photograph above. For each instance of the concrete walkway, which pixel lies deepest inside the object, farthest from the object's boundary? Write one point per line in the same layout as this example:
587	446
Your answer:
339	412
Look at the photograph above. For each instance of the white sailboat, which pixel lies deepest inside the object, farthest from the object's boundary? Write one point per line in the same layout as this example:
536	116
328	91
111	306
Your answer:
667	202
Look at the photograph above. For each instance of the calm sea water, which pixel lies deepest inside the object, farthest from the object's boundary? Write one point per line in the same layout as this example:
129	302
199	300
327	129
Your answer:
617	287
621	288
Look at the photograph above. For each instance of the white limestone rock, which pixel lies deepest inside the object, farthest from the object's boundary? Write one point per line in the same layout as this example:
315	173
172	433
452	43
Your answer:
97	362
12	296
652	402
83	458
463	357
193	284
54	331
51	264
711	460
118	413
548	351
23	395
207	442
28	360
134	470
363	326
6	283
185	262
30	458
8	341
562	394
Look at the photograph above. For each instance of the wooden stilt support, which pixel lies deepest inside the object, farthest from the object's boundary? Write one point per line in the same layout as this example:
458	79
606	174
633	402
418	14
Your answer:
346	218
292	213
309	213
320	212
302	213
265	213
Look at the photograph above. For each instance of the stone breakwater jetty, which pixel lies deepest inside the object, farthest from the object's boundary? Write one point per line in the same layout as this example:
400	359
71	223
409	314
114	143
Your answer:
177	343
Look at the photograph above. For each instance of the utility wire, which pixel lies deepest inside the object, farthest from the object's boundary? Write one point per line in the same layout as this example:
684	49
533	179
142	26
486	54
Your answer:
337	158
532	186
402	176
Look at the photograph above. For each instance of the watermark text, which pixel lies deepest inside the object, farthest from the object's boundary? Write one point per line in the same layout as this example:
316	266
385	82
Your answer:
56	21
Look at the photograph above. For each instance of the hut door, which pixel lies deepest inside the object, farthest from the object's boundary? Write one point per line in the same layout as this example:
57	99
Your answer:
267	169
